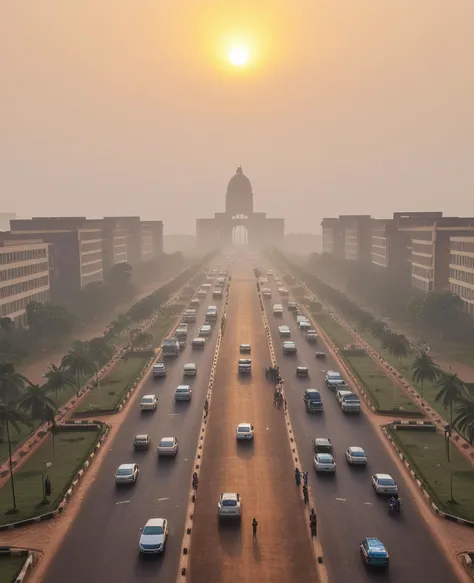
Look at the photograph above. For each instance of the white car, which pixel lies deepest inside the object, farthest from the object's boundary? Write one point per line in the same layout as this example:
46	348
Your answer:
384	484
229	505
195	302
198	342
141	441
324	463
190	370
289	347
302	371
183	393
284	331
148	403
159	369
356	455
205	331
244	431
245	349
126	474
245	365
154	536
168	446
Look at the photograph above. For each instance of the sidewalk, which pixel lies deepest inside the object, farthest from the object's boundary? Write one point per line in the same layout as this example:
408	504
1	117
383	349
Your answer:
456	440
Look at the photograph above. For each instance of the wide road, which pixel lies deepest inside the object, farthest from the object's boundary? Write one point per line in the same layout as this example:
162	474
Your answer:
262	473
102	543
348	509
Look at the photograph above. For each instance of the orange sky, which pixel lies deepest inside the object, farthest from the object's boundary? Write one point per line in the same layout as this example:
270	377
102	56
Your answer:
129	107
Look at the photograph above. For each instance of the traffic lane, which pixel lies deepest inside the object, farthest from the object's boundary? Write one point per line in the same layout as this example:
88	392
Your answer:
348	498
261	472
161	489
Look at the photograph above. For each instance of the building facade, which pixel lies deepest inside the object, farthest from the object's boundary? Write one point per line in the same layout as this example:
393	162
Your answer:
333	237
461	270
219	231
24	277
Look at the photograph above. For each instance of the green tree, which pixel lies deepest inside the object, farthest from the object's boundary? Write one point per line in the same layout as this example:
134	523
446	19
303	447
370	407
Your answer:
424	369
12	383
12	416
79	362
100	352
35	400
379	330
451	392
120	274
7	325
50	418
119	325
49	320
397	345
58	379
464	420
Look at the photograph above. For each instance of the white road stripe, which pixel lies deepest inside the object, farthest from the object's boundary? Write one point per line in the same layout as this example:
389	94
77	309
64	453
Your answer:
342	499
123	502
161	499
368	503
174	414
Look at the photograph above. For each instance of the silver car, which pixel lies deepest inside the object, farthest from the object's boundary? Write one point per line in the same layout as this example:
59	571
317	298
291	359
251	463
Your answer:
154	536
168	446
356	455
384	484
324	463
126	474
183	393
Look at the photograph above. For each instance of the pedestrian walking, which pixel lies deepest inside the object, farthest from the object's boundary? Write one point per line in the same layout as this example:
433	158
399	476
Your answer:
305	494
254	528
305	478
297	477
313	523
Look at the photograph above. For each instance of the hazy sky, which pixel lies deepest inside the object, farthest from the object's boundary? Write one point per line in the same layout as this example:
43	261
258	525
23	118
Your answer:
118	107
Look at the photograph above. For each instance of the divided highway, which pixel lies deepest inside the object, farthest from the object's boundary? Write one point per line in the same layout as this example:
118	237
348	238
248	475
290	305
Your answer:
347	508
102	542
261	472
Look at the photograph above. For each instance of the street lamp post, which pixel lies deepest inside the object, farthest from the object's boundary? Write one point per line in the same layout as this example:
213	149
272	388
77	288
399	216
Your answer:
43	478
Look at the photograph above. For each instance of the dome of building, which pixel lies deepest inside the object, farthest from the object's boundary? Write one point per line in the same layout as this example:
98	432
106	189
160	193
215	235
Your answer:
239	196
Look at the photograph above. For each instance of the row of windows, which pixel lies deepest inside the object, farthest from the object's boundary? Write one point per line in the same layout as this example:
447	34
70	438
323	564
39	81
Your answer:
422	271
87	279
465	293
7	310
464	260
23	271
8	257
91	246
422	285
466	247
421	248
90	257
91	236
422	235
460	275
423	260
24	286
91	268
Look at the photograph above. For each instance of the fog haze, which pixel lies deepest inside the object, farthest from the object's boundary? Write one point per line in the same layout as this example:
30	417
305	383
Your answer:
124	107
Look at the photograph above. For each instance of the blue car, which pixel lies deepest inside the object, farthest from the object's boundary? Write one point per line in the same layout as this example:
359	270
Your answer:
374	553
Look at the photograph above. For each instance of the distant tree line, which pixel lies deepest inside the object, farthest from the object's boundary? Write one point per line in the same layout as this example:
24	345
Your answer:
49	325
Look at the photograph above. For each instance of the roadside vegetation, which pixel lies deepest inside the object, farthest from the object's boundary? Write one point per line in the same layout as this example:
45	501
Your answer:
10	567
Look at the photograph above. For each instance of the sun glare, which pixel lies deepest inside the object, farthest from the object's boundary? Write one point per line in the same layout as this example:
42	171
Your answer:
238	56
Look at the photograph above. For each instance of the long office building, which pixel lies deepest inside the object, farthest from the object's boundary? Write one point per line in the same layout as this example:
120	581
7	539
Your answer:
461	270
24	277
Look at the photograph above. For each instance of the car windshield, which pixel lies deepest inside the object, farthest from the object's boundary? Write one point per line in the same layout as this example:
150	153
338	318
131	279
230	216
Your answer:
386	482
351	398
166	443
124	471
229	502
153	530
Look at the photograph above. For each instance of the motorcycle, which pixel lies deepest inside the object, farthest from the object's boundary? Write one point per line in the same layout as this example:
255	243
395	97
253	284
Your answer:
394	508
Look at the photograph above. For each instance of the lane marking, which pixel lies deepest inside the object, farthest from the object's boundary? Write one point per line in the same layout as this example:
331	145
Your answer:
161	499
342	499
123	502
368	503
174	414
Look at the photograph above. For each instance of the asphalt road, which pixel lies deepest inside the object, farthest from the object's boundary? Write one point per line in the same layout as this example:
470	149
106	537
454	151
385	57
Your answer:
348	510
102	543
262	473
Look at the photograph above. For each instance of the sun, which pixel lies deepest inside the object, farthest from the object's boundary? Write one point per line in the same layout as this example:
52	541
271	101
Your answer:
238	56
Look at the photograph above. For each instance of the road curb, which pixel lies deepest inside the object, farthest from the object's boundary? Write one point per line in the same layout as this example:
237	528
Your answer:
420	485
62	504
186	543
29	563
315	544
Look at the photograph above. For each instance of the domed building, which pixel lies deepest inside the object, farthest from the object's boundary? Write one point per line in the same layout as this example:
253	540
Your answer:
226	228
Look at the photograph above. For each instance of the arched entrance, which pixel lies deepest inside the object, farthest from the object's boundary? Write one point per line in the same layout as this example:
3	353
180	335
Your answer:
240	234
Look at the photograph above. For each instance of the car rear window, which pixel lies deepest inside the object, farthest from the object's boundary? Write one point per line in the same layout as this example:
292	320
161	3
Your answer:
386	482
147	400
245	429
229	503
166	443
124	472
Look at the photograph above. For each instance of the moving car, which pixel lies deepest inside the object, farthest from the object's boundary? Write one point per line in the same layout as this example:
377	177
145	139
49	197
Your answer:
195	302
341	393
244	431
334	379
198	342
289	347
141	441
292	307
311	336
217	294
229	505
159	369
267	293
170	347
148	403
205	331
304	325
350	403
154	536
189	315
183	393
283	292
320	355
126	474
374	552
313	401
245	349
322	445
167	446
302	371
277	310
245	366
284	331
384	484
190	369
356	455
202	293
324	463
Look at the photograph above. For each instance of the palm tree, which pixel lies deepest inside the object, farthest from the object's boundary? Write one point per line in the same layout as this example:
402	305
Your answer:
398	345
424	368
100	352
119	325
379	330
50	418
79	362
451	391
464	421
12	383
36	401
11	416
57	379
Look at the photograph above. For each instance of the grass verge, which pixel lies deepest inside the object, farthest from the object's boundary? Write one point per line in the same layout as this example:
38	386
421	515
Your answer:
160	328
71	449
10	568
385	395
426	453
339	335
